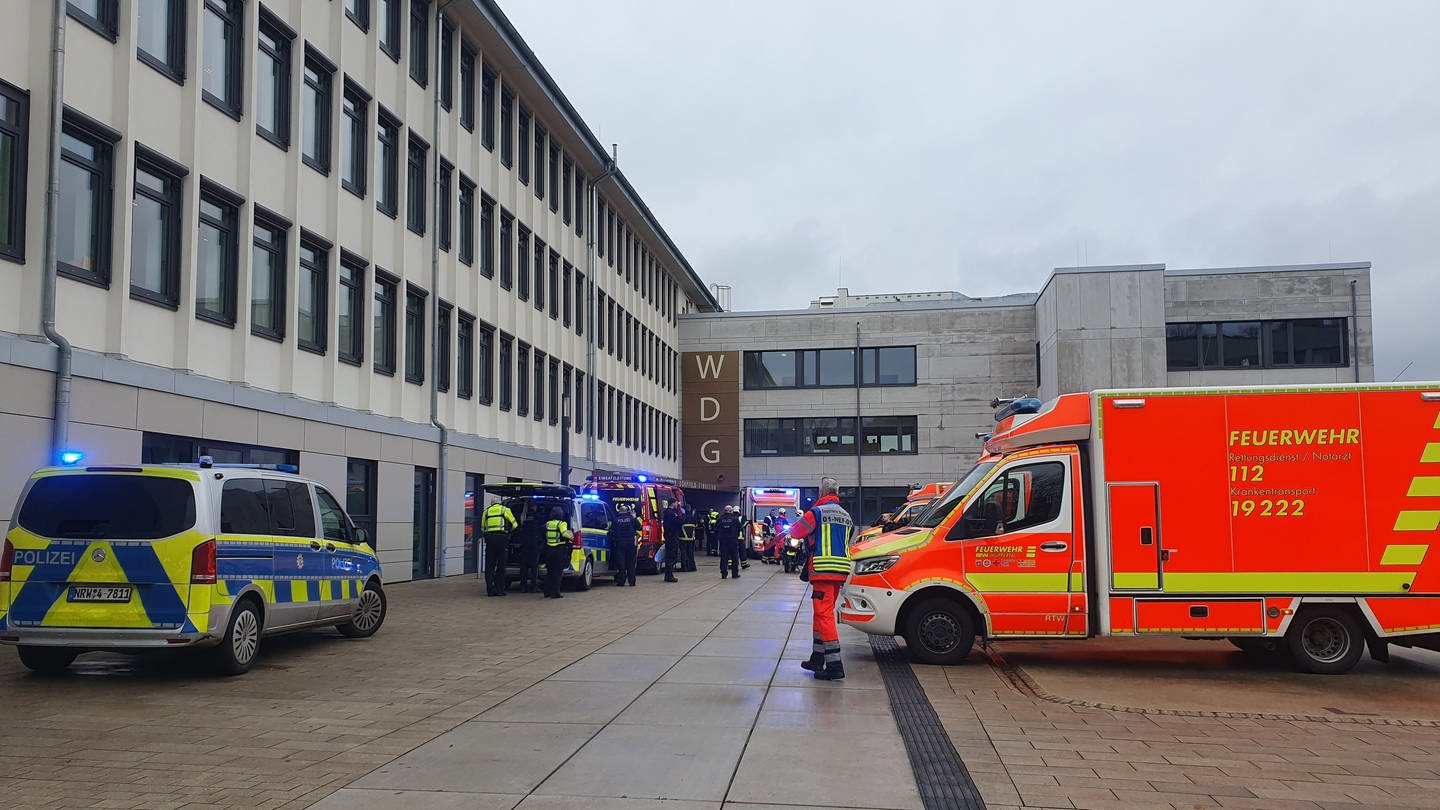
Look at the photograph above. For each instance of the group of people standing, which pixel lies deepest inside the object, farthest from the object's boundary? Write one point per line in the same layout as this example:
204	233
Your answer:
680	526
553	534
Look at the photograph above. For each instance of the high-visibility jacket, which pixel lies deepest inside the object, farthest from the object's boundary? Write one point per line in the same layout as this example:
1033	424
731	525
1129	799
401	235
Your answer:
499	518
826	527
557	533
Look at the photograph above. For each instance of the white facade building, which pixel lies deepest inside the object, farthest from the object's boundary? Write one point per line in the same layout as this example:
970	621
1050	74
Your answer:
247	218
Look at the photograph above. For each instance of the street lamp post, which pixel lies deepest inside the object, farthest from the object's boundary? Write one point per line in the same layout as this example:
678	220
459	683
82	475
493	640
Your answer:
565	439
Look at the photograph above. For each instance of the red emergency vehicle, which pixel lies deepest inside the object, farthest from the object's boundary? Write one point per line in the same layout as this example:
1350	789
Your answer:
647	497
1299	518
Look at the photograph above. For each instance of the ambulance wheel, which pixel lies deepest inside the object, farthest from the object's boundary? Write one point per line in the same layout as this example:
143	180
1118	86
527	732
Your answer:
47	660
938	631
236	651
369	613
1325	641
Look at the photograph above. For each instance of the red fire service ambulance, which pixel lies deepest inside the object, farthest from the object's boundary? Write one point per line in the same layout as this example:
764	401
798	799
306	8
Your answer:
756	503
1296	519
647	497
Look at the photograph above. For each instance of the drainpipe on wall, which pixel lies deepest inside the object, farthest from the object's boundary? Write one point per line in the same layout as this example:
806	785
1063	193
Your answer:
592	206
1355	329
442	501
60	423
859	433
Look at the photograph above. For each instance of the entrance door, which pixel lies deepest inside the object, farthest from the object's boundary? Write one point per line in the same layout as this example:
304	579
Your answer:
474	512
422	563
1135	537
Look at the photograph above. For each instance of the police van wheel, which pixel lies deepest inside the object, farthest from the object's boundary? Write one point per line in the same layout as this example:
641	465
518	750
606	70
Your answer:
938	631
47	660
1325	641
236	651
369	613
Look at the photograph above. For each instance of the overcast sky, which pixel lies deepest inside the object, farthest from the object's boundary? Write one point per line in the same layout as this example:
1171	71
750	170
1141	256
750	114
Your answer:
792	147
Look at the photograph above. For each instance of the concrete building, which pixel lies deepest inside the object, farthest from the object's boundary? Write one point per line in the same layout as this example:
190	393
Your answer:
251	196
776	395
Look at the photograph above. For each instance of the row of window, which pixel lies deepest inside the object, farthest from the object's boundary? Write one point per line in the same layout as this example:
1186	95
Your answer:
830	368
833	435
161	44
1290	343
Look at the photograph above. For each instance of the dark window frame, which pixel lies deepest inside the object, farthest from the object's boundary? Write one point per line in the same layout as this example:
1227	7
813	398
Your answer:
567	193
415	202
323	86
354	273
361	16
385	320
522	378
538	280
445	213
228	222
415	353
106	23
173	66
506	372
537	409
19	132
419	42
102	168
444	331
390	23
507	128
556	290
552	384
488	77
522	144
485	364
465	220
522	262
388	131
507	250
172	200
464	355
231	14
486	241
320	275
1265	342
467	86
541	138
555	183
447	64
283	55
280	252
354	97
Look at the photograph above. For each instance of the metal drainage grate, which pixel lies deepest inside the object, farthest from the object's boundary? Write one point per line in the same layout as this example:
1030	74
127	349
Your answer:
940	774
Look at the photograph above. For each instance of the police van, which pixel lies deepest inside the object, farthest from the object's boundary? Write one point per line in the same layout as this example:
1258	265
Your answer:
589	520
207	556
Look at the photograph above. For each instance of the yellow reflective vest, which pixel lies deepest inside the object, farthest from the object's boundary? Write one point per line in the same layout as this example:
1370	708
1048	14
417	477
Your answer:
557	533
499	518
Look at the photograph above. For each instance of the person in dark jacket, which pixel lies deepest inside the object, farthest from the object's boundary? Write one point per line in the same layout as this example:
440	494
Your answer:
532	537
673	524
624	530
727	534
559	541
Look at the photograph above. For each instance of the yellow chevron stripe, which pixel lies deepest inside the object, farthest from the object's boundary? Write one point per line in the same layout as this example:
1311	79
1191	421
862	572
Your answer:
1431	454
1404	554
1417	521
1424	486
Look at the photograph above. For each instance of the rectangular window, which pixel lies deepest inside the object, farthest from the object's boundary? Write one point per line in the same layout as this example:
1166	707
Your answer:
216	257
522	264
386	290
771	369
580	203
417	155
466	213
359	13
444	222
507	249
414	334
600	325
315	112
465	356
387	164
311	306
86	158
522	380
555	179
362	494
539	386
420	42
487	107
467	87
539	275
14	149
555	285
889	365
155	230
539	161
353	140
1322	342
579	303
351	309
523	139
1319	342
552	384
827	368
507	128
888	434
577	407
487	236
97	15
160	36
569	301
507	372
220	45
485	354
600	228
566	184
390	28
447	65
272	80
442	339
267	279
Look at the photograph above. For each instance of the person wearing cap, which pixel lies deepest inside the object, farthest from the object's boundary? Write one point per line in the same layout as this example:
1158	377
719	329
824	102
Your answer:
727	533
624	530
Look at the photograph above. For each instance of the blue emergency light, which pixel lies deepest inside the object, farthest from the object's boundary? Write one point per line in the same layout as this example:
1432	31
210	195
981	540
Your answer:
642	478
71	457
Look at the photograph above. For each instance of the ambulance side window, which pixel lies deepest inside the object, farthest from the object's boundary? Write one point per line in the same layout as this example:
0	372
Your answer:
1022	498
243	507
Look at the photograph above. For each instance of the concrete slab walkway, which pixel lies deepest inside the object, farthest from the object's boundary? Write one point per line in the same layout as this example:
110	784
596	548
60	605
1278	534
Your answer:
702	707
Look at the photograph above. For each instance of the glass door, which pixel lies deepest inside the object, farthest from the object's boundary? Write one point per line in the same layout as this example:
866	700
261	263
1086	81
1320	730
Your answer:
422	563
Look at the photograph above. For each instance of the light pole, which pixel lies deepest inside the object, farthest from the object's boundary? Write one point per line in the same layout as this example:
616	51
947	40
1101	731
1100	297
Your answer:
565	439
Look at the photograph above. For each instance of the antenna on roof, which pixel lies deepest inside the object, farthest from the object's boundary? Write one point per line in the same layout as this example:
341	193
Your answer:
615	153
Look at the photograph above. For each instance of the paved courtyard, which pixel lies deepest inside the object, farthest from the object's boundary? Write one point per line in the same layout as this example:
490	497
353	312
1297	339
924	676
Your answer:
689	696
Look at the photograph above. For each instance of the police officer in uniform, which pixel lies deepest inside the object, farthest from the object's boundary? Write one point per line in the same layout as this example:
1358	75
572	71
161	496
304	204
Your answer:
497	524
712	540
727	534
532	536
558	542
624	530
687	539
673	524
826	529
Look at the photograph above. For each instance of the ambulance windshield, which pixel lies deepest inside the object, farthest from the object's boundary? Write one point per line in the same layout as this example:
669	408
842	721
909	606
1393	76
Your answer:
938	510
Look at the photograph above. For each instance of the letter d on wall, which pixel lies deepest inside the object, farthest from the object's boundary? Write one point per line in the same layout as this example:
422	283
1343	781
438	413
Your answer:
710	451
709	409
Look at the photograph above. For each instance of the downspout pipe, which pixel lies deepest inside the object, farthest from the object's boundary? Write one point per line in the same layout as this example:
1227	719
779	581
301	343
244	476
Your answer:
60	422
1355	329
592	211
859	433
442	491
